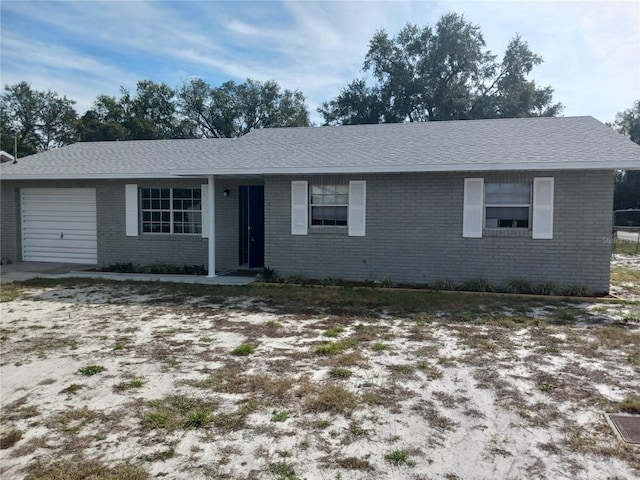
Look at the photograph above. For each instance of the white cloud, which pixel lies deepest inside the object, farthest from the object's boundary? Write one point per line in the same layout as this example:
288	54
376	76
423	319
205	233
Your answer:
82	49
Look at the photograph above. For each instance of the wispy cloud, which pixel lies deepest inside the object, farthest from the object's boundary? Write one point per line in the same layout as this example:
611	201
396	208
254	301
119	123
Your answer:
82	49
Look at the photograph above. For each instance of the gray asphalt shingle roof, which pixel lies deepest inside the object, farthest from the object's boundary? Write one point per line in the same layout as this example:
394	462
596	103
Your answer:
506	144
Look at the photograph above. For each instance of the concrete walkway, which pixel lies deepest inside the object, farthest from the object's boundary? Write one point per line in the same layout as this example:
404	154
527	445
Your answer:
17	272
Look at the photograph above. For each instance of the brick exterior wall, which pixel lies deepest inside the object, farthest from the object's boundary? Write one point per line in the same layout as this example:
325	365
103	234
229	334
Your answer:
114	246
414	233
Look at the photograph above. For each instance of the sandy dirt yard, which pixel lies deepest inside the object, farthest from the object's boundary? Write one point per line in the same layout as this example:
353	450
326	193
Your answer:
110	380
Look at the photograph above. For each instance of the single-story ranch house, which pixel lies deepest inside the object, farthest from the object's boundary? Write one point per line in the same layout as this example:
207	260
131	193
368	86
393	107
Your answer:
417	203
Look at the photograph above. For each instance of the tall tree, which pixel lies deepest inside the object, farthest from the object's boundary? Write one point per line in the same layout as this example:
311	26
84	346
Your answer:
232	109
39	120
442	73
148	114
627	188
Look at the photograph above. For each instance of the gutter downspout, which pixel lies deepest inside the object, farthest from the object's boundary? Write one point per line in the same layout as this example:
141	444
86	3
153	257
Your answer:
211	200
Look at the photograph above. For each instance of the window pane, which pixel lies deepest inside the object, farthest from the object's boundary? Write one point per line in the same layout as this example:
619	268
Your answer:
197	193
165	204
164	193
155	204
507	193
146	193
328	215
146	204
507	217
181	193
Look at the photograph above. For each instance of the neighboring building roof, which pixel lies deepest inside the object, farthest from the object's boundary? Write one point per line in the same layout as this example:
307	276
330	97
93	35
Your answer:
5	157
557	143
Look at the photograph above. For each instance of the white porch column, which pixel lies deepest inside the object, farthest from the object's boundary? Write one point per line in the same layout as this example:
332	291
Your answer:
211	201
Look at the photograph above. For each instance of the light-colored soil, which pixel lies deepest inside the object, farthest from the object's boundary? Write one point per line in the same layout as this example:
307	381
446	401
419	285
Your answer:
518	392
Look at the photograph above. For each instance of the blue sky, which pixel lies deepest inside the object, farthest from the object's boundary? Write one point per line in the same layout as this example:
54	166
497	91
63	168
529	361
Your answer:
85	48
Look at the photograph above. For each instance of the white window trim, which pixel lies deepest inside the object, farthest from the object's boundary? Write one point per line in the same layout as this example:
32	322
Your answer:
171	211
301	209
314	205
537	209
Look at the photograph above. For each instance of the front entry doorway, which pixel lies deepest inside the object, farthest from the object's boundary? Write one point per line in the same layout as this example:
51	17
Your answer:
252	226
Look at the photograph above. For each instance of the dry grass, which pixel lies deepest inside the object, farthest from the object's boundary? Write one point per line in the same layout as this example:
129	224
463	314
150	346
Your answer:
81	468
343	382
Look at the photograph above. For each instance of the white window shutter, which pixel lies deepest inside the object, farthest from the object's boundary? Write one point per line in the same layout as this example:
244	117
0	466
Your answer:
299	209
542	208
204	205
472	217
357	216
131	209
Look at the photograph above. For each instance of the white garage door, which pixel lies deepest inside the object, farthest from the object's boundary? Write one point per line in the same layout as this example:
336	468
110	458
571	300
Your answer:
59	225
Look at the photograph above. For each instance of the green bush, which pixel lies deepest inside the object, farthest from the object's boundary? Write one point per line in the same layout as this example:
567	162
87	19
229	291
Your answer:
444	285
477	285
387	282
578	291
295	279
267	275
548	288
518	285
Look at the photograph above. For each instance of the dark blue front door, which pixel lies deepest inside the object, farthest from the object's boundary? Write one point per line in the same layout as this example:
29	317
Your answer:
252	225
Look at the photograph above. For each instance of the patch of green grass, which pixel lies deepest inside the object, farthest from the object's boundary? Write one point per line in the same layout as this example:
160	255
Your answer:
336	347
334	331
91	370
565	315
243	350
10	438
398	457
545	387
283	471
379	347
175	412
198	418
630	405
273	324
279	416
339	372
628	276
131	384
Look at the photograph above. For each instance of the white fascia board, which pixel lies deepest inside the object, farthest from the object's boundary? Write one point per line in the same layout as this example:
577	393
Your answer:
457	167
87	176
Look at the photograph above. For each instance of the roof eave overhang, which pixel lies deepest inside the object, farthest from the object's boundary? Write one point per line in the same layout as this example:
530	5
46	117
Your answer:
631	165
85	176
201	172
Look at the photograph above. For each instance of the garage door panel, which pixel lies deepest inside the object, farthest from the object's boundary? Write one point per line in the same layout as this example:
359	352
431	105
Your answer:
51	224
59	225
79	243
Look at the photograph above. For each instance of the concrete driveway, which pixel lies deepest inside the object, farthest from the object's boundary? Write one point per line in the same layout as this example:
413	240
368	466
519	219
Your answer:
25	270
16	272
